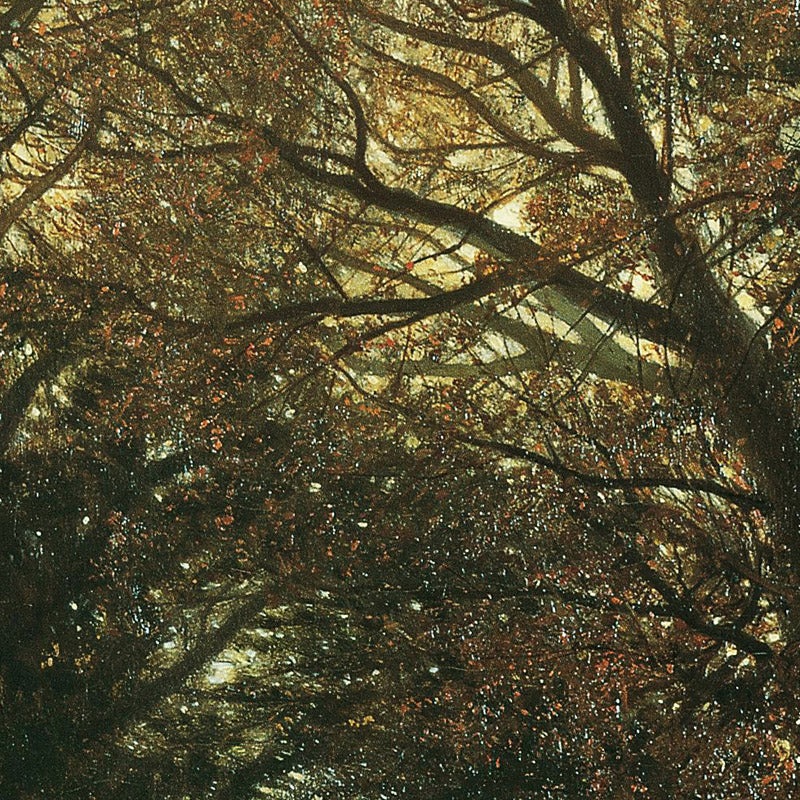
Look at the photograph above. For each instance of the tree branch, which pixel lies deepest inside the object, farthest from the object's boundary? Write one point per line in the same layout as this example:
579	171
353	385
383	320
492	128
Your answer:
746	501
41	185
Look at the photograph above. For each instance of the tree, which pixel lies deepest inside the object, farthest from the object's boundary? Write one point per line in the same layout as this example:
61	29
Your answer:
452	341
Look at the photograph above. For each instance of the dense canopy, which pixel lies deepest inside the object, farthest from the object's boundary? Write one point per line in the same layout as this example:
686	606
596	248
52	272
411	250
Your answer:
399	398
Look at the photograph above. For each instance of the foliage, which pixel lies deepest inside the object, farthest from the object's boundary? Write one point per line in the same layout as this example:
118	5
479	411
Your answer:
399	399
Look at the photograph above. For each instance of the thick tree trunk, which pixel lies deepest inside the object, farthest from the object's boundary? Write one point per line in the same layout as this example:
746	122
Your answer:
731	352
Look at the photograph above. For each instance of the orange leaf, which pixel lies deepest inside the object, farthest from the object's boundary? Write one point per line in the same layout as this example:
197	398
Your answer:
779	162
